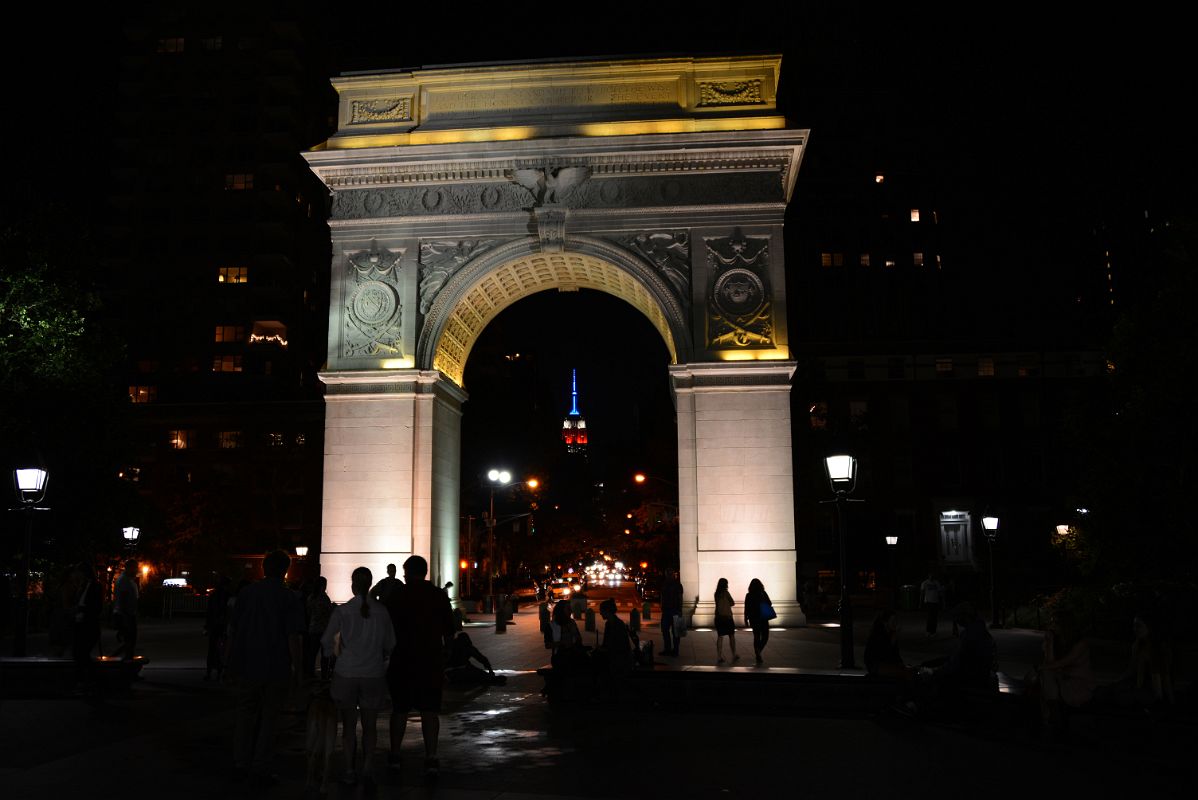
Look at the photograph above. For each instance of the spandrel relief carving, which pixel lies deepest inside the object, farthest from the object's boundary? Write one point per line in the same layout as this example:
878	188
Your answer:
440	260
669	253
373	311
739	307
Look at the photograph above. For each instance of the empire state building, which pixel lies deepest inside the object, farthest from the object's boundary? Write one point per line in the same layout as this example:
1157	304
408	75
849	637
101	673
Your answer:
574	427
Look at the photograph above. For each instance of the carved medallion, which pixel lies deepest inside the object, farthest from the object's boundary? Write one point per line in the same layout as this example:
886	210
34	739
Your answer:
739	310
372	312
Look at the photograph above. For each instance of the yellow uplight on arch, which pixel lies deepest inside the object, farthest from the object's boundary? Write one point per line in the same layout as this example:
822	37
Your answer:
776	354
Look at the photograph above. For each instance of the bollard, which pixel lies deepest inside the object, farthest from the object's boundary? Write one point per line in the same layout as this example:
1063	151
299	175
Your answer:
509	608
590	623
645	615
634	620
488	604
500	619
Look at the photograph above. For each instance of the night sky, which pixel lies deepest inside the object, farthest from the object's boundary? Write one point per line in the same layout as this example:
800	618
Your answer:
1035	126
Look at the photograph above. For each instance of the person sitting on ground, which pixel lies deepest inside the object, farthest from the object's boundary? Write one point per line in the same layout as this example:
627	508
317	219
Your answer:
461	671
1148	679
1065	677
972	663
882	658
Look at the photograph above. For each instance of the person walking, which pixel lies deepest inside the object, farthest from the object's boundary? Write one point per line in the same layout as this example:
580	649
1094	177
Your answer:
216	626
671	614
758	613
931	594
359	688
382	590
424	628
724	624
85	632
320	611
125	610
266	628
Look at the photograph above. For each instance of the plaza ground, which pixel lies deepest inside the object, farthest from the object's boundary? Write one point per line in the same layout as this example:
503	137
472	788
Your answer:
171	734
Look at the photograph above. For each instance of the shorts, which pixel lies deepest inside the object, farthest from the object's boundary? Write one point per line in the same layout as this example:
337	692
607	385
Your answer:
724	626
405	696
368	694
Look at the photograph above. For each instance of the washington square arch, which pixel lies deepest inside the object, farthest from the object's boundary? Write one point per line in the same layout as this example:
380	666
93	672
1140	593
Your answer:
459	191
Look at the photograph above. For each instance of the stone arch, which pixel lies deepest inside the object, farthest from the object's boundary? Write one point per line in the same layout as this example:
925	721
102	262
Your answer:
494	280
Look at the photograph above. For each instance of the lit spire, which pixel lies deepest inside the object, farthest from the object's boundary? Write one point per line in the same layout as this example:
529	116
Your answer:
574	393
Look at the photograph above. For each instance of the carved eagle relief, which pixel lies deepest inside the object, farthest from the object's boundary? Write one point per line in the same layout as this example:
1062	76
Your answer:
550	185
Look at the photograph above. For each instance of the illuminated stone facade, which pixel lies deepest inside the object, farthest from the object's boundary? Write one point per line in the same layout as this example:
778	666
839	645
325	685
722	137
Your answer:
457	192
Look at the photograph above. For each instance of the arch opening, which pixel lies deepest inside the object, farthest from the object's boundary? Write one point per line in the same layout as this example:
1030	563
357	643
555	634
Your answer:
510	281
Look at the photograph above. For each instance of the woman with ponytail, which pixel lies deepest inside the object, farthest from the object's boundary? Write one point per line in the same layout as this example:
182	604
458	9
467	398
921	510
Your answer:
359	679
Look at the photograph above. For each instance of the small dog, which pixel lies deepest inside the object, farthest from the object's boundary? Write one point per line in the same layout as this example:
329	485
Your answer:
322	737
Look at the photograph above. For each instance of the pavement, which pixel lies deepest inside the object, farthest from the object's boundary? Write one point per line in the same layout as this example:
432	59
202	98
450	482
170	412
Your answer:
172	733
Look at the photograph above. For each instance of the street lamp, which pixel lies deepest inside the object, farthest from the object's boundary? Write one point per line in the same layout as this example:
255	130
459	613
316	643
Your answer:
842	476
500	479
990	526
891	547
131	534
30	486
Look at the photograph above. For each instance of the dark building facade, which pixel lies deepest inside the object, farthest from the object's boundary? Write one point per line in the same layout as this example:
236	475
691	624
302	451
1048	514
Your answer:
216	267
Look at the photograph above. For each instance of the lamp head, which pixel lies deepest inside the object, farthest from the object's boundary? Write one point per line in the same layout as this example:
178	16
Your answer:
842	472
131	533
30	484
892	540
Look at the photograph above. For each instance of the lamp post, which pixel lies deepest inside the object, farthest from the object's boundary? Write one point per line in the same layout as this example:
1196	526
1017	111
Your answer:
500	479
30	486
842	476
990	526
892	548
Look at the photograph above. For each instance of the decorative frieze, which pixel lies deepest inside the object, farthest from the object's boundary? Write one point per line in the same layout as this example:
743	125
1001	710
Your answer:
739	307
383	109
730	93
631	192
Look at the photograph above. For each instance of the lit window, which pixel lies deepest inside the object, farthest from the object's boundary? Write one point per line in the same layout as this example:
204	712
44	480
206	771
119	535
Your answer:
226	364
300	440
173	44
274	439
864	260
229	333
818	415
269	332
233	275
935	218
229	440
838	259
915	215
879	178
944	366
143	394
939	263
239	181
890	263
131	474
825	259
917	258
181	439
986	367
